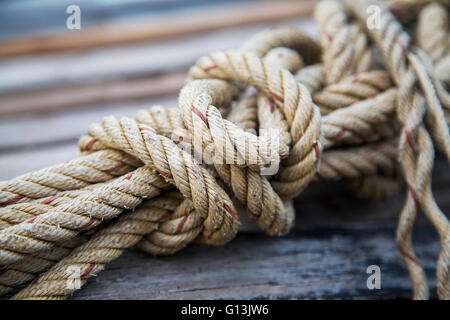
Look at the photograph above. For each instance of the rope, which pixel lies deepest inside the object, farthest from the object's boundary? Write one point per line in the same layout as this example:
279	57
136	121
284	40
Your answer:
415	145
336	117
161	216
74	174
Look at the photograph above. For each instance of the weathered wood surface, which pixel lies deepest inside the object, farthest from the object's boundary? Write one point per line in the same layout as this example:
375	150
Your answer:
309	263
34	83
158	25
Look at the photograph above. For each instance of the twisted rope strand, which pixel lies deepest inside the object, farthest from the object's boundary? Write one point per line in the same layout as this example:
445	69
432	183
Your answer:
107	245
275	81
293	99
64	222
352	89
415	145
73	174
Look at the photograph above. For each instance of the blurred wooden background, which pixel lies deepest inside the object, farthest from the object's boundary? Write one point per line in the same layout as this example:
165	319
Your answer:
132	54
128	55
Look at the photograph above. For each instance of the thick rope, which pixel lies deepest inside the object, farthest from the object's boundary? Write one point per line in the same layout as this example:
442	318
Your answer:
335	119
74	174
162	217
125	194
352	89
344	46
415	146
293	99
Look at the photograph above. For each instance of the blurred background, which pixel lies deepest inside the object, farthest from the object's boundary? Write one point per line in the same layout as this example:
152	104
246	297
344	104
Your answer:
126	55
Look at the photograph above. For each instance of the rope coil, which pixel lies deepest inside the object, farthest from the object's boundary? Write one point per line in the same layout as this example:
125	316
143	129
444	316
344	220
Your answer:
337	115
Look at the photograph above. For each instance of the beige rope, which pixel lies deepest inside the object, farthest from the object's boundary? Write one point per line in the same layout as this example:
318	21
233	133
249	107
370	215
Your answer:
231	144
312	77
127	194
433	37
344	45
74	174
211	237
166	118
348	126
287	37
416	150
432	32
41	233
358	161
364	121
352	89
25	271
243	113
161	220
294	100
275	81
250	188
269	116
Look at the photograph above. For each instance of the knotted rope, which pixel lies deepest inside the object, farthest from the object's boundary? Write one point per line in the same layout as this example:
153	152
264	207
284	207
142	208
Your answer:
325	111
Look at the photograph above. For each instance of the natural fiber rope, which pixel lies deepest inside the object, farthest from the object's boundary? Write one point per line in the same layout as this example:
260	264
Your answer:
165	118
273	82
126	194
432	32
416	149
74	174
160	217
344	45
211	236
336	165
433	37
293	99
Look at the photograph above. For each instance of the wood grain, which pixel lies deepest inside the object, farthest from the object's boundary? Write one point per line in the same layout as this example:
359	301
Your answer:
163	26
309	263
31	131
88	94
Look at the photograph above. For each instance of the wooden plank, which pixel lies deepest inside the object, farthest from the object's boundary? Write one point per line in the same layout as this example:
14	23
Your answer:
310	263
37	131
26	160
19	18
56	70
77	96
83	82
161	27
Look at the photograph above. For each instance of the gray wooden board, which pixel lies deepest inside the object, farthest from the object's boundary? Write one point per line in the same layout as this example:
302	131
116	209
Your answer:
325	263
33	17
139	59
